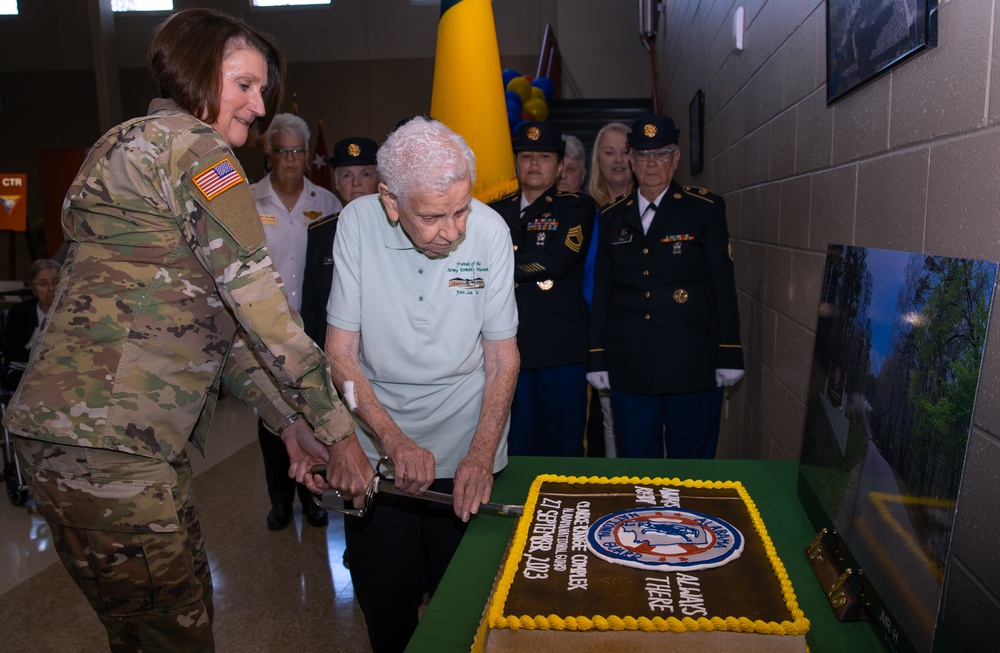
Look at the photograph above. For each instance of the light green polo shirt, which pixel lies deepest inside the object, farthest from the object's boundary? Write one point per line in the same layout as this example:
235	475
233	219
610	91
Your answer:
422	323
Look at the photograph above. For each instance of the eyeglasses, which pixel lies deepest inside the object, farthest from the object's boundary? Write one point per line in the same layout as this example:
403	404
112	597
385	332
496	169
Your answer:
296	153
45	283
662	155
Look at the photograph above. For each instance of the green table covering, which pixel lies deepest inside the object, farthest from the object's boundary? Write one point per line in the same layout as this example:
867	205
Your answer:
450	622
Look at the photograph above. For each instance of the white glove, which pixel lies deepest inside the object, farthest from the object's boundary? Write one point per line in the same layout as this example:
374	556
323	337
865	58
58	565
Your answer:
727	377
599	380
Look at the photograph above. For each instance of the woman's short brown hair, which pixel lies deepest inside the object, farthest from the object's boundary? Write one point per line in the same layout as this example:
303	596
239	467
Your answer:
186	55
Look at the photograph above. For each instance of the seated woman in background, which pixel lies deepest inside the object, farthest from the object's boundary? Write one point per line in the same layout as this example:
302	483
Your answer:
25	320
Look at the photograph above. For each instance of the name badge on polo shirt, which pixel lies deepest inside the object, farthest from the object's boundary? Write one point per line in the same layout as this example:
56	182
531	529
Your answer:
624	237
270	220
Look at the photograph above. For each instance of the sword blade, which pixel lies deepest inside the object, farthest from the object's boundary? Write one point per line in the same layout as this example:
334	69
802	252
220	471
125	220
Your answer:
387	486
511	510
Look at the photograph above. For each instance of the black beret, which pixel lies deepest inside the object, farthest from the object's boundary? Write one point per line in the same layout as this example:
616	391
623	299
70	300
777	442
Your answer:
354	151
534	136
652	131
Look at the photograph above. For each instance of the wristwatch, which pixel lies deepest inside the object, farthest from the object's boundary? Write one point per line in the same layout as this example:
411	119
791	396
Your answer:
291	419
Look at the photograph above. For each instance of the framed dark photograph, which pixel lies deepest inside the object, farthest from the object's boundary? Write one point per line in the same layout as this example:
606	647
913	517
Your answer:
696	120
865	38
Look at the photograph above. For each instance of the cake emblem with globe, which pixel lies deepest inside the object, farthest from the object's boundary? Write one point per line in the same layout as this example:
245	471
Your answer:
641	564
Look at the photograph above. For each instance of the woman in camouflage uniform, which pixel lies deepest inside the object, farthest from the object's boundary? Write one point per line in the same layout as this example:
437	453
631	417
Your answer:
167	292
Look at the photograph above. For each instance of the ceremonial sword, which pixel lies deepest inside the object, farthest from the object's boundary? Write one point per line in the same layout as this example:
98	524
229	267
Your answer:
379	483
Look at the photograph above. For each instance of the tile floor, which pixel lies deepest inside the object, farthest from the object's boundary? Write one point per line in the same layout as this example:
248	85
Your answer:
283	591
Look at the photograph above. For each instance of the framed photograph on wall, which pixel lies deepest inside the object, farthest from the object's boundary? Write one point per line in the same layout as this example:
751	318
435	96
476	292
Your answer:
696	121
865	38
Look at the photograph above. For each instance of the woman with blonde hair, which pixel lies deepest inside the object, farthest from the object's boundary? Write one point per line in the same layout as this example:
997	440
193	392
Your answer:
612	173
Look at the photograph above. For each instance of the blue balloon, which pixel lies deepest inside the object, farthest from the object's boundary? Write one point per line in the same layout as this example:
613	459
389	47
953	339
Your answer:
509	74
546	85
518	126
513	114
514	96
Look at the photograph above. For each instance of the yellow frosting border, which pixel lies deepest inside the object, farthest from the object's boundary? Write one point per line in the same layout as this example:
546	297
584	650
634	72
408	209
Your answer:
497	619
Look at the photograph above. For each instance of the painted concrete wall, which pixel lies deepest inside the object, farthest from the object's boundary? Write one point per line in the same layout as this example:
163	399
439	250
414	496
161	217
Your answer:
908	162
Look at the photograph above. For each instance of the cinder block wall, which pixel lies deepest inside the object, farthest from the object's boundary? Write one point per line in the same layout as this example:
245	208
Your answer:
909	162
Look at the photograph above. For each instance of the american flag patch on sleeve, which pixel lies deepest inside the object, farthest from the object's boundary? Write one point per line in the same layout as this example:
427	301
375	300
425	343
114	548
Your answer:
217	178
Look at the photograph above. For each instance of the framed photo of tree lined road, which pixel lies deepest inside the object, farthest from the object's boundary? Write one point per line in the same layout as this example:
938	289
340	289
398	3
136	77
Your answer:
896	366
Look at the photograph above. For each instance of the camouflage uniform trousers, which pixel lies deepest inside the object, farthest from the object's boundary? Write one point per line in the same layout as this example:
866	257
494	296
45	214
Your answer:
127	531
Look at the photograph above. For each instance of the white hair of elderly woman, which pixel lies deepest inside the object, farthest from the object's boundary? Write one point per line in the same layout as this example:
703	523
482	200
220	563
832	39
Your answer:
288	123
574	148
423	154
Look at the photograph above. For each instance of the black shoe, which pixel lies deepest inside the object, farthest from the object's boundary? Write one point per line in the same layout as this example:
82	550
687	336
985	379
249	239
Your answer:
315	516
279	517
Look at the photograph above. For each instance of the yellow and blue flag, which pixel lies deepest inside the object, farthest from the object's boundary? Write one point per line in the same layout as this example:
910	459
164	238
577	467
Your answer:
468	93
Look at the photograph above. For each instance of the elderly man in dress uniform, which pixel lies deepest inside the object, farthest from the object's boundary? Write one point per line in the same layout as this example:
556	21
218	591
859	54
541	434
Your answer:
665	330
551	232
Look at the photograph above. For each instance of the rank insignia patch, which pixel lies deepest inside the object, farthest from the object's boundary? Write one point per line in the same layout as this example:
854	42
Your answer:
574	239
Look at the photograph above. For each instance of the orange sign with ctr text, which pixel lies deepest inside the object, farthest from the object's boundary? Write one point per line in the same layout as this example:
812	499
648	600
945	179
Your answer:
13	202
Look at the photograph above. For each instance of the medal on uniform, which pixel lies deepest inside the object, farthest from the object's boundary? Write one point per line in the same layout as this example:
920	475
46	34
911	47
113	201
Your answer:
540	240
677	248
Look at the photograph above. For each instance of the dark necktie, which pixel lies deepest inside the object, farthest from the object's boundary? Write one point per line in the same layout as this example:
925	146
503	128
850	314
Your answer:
647	217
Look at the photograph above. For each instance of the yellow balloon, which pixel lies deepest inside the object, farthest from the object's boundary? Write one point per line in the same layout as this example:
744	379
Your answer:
521	86
537	108
537	93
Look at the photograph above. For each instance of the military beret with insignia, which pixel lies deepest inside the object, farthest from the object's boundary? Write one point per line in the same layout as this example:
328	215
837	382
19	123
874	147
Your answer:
652	131
534	136
354	151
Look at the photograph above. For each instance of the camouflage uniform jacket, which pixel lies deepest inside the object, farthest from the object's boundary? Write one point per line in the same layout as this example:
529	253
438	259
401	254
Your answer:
167	291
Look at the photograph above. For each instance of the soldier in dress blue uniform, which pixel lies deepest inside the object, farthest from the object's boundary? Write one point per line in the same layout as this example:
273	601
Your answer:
551	232
355	175
665	331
